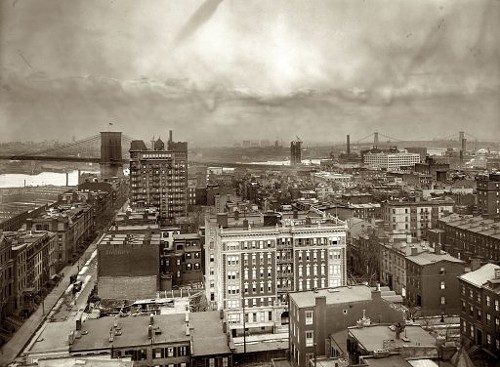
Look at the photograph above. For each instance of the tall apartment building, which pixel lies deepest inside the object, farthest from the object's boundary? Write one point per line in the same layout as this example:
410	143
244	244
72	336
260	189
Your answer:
480	309
467	237
159	177
488	194
252	262
415	218
391	161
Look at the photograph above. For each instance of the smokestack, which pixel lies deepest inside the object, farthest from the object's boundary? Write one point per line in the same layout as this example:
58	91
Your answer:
348	144
170	136
464	145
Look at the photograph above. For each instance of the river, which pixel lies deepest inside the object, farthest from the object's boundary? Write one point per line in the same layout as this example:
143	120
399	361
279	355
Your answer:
42	179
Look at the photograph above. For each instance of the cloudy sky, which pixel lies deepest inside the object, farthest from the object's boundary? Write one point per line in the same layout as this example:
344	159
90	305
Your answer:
217	71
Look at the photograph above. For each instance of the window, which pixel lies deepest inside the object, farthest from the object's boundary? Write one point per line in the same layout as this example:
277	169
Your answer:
309	317
497	306
443	284
488	301
443	300
309	338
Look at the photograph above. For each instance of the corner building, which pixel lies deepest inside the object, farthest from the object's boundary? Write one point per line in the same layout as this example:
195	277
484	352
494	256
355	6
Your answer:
250	268
159	177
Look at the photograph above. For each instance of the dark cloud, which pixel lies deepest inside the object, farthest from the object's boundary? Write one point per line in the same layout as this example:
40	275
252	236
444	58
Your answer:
261	68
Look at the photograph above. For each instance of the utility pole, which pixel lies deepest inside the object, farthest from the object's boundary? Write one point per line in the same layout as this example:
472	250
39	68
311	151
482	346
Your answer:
244	325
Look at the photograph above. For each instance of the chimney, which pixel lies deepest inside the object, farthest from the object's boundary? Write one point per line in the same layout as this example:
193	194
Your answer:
437	249
170	136
348	144
414	251
475	263
377	293
245	223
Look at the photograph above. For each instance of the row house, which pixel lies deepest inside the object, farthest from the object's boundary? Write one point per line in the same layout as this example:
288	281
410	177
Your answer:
467	237
73	225
33	265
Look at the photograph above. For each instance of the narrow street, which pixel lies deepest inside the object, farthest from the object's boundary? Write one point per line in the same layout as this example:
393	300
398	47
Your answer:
13	348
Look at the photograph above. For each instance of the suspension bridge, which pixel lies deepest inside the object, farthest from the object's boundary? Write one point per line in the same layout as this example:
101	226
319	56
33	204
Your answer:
110	150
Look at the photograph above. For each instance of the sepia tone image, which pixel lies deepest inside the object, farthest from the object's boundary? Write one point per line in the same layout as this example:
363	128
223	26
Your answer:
260	183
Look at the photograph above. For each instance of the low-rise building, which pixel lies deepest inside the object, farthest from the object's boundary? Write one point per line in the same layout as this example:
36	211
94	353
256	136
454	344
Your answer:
432	283
480	308
467	237
383	341
128	266
393	262
191	339
73	225
33	265
316	315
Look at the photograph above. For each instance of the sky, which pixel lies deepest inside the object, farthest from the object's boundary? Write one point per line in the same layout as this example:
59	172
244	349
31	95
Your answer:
217	71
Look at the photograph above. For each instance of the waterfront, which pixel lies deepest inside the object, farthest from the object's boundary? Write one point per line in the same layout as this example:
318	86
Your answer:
41	179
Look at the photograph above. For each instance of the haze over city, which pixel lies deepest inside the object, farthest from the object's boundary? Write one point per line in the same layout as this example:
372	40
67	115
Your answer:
222	71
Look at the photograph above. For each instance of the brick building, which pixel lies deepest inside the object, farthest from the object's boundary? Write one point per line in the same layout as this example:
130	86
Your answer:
181	340
432	283
159	177
128	266
252	262
33	265
316	315
415	217
467	237
480	308
6	281
74	226
488	194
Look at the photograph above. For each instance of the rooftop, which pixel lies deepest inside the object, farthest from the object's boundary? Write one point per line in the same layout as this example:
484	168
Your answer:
205	329
133	331
208	336
378	337
478	224
339	295
480	276
427	258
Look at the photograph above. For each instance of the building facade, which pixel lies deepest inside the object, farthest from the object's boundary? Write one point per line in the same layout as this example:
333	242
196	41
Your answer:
391	161
467	237
33	265
251	268
74	226
432	283
488	194
159	178
480	308
316	315
415	218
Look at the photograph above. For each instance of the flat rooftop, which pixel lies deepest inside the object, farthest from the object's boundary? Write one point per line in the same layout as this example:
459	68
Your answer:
338	295
377	337
427	258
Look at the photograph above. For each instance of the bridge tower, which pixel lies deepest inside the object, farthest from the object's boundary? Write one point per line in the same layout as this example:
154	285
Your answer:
111	154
